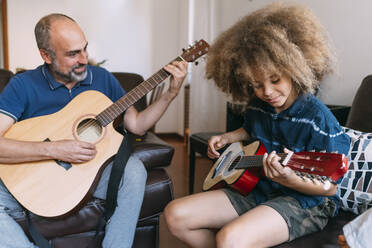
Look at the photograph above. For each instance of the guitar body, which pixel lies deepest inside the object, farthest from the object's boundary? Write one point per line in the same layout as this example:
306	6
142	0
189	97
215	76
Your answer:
223	173
50	189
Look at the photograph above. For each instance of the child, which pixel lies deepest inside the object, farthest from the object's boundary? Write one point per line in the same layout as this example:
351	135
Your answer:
273	59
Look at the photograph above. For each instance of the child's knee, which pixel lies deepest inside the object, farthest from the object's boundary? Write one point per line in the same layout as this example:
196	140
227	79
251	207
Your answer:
228	236
174	217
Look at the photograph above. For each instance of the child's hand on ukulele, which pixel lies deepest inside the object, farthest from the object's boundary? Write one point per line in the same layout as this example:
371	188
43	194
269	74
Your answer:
274	170
215	143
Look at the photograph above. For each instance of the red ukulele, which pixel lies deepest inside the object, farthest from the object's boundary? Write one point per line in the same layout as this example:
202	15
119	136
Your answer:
240	167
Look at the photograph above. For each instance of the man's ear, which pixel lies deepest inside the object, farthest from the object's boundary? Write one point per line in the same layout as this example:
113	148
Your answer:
45	56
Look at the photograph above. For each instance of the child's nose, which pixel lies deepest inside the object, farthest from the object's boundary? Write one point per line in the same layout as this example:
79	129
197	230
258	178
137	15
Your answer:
268	90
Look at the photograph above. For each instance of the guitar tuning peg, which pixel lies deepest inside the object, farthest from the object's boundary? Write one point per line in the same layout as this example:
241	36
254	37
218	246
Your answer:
301	175
309	176
327	185
319	178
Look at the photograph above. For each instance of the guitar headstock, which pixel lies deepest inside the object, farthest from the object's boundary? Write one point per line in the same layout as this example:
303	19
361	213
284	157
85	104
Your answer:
194	52
318	165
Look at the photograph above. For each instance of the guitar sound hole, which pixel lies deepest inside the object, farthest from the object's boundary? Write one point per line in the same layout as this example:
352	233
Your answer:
89	130
233	164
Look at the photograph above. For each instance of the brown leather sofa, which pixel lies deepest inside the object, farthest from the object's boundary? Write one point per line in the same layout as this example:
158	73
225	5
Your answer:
77	230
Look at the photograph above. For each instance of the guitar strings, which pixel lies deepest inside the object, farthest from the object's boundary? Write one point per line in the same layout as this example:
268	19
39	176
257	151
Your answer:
113	108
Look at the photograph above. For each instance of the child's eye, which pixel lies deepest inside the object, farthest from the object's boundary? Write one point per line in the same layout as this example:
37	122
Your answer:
256	86
275	81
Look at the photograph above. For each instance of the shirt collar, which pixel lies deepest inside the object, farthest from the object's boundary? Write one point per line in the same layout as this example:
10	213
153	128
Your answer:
296	107
53	84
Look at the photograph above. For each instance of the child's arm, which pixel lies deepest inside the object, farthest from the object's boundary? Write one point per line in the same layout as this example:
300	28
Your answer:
286	176
219	141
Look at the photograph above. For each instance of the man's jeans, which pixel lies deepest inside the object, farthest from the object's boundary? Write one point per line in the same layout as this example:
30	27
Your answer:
121	228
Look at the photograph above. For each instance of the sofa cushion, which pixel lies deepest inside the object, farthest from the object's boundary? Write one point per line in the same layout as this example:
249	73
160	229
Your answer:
152	151
355	189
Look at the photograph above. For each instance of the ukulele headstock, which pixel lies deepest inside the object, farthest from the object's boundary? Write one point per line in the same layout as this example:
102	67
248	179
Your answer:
319	166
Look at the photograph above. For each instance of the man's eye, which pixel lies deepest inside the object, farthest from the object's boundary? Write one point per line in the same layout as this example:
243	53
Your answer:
72	54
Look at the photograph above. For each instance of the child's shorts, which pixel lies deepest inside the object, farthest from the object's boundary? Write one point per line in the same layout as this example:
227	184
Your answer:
300	221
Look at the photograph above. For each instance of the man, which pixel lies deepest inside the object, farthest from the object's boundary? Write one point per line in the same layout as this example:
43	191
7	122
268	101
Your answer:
46	90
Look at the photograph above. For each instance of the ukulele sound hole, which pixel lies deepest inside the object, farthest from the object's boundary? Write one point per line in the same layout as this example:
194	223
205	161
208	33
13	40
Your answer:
233	164
89	130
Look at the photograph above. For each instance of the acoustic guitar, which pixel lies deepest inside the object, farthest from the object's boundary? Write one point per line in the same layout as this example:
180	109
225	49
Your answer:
54	188
240	167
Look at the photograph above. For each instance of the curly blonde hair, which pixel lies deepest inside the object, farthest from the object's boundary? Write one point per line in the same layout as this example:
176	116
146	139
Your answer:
279	38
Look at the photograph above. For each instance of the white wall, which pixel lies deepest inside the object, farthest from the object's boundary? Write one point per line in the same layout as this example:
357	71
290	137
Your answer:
349	25
207	103
134	36
143	35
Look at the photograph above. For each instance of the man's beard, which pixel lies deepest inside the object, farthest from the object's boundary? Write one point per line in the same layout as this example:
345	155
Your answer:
70	76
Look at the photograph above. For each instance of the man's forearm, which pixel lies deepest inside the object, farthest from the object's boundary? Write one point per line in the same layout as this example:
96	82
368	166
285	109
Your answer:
152	114
13	151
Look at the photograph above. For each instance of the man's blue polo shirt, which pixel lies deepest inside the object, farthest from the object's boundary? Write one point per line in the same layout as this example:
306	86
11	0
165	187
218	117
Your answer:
36	93
307	125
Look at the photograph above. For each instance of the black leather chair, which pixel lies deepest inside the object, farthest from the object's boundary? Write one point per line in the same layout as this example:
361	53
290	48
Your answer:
78	229
5	75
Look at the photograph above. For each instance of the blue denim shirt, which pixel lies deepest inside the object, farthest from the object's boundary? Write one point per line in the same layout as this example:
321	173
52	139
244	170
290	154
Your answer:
307	125
36	93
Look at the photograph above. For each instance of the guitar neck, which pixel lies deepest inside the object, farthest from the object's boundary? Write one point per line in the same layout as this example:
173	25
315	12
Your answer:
109	114
255	161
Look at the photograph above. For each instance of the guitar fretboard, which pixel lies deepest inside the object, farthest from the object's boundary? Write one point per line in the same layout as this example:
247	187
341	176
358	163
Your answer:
255	161
114	110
